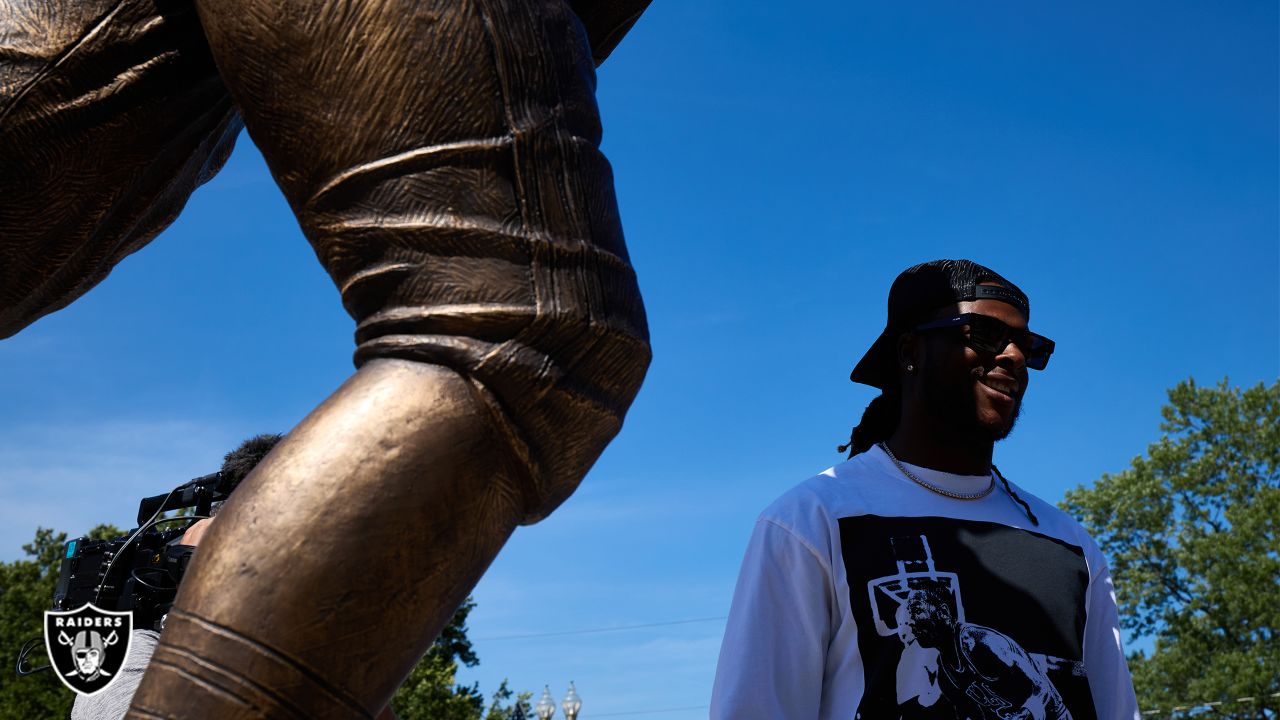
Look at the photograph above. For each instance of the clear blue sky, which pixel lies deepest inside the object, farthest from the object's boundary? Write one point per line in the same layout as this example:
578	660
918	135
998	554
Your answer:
776	166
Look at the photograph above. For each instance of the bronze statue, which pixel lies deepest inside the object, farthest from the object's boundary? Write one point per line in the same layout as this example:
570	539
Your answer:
442	158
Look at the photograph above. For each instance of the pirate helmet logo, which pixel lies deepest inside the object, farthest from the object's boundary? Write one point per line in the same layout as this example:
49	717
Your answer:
87	646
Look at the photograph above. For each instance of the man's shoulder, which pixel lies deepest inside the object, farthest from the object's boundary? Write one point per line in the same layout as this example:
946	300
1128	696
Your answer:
800	499
1055	522
834	492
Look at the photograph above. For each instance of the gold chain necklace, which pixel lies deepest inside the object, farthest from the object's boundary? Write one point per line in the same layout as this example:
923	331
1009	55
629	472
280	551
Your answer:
940	490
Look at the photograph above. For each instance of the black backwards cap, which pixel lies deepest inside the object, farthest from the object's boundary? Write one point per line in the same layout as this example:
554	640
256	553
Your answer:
916	294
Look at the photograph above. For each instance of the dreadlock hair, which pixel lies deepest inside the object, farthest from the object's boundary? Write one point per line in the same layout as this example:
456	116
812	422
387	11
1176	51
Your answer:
1009	489
878	422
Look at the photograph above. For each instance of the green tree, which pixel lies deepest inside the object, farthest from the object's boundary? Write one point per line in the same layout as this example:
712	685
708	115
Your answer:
1191	533
502	707
431	692
26	591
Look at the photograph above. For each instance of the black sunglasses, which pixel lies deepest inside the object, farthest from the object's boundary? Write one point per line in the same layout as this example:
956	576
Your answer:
987	334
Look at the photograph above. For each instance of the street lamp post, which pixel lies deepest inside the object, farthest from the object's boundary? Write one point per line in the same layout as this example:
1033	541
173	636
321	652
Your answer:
572	704
546	707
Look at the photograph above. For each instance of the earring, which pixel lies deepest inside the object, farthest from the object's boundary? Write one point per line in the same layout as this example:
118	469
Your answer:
911	368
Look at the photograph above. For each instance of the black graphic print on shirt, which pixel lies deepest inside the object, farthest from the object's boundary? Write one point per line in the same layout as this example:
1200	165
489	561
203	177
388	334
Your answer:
966	620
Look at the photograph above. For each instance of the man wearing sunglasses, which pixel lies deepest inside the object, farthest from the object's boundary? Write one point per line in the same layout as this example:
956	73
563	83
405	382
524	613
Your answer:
915	580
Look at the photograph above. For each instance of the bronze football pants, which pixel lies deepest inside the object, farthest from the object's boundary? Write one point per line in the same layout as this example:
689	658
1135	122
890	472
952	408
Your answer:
442	158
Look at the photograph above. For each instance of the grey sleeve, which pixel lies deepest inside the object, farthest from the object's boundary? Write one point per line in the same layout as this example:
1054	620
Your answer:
113	701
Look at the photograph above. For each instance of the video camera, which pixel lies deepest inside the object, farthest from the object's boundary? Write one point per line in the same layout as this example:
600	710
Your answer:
139	571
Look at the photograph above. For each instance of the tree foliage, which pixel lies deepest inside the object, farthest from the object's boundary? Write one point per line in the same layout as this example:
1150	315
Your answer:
502	707
432	692
1191	533
26	590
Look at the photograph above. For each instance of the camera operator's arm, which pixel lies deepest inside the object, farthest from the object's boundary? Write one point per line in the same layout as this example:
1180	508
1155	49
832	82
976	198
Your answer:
194	533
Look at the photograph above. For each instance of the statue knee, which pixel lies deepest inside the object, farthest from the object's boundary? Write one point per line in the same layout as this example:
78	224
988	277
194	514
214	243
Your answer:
466	216
556	378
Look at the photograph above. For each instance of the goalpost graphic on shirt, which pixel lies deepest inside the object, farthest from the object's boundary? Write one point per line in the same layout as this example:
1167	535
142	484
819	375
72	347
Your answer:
915	571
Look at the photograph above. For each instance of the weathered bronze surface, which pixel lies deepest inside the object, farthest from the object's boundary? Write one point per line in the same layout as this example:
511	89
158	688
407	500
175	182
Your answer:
442	158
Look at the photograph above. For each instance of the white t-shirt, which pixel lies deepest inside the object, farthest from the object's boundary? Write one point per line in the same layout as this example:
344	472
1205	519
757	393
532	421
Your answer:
865	596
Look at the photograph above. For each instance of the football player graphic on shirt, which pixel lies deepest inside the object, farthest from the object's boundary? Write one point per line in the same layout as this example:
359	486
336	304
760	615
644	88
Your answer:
981	672
950	668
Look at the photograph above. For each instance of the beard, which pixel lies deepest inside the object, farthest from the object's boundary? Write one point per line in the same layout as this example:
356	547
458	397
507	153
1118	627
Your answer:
954	408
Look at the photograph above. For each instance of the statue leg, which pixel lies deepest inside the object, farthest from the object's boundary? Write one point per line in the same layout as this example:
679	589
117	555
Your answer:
442	157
